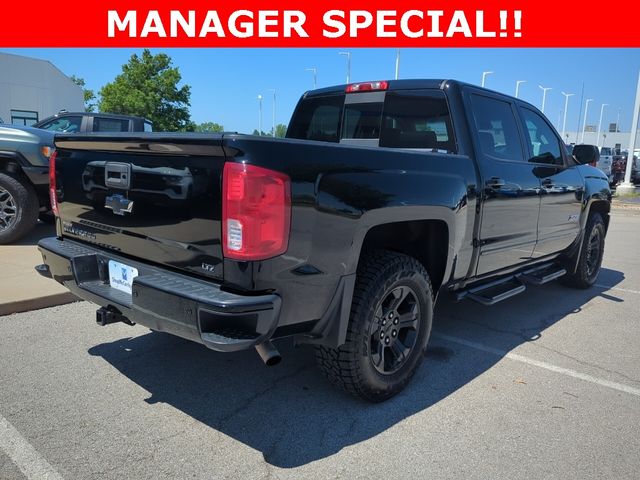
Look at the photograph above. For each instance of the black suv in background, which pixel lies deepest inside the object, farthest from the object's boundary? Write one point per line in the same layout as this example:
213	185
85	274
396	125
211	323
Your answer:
83	122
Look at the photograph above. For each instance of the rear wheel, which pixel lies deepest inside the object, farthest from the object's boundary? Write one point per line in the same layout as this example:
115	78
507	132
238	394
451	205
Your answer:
389	328
591	254
18	208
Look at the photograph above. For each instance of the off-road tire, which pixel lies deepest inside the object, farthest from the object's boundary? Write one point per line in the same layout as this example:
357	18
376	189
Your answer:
590	260
25	200
352	366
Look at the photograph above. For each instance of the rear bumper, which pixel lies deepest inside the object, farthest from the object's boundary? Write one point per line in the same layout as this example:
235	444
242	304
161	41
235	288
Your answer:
163	300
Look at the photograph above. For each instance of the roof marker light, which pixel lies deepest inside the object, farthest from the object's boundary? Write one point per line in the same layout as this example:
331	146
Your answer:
367	86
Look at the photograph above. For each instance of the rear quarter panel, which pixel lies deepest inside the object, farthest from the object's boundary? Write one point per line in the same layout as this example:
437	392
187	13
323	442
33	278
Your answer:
338	194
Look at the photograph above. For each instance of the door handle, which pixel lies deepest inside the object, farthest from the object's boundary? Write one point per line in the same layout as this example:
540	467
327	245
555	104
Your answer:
547	182
495	182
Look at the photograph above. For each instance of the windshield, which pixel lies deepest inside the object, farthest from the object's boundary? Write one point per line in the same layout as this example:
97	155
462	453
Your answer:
64	124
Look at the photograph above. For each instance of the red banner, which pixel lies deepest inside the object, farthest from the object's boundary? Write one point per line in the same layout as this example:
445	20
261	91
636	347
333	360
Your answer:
285	23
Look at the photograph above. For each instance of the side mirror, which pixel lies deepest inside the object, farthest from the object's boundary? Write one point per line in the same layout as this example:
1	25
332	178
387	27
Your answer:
585	154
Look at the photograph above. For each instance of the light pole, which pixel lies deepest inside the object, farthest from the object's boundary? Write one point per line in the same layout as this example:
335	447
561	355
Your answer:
273	133
397	63
348	55
627	188
566	107
544	95
315	75
518	82
259	114
584	123
484	76
600	122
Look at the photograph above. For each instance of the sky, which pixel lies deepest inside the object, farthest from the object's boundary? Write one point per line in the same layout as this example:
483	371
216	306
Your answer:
225	83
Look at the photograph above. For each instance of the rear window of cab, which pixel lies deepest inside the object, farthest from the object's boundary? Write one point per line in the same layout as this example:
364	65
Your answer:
417	119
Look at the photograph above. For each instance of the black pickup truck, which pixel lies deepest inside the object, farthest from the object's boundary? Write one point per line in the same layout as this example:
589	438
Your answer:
341	235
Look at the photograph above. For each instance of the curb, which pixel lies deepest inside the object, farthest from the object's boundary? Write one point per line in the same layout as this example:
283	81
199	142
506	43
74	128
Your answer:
625	206
37	303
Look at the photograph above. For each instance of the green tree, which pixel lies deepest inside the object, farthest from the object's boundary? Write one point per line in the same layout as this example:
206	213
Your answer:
263	133
208	127
89	95
148	87
281	130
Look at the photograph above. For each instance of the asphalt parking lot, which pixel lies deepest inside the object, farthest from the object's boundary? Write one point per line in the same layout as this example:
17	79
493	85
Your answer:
544	385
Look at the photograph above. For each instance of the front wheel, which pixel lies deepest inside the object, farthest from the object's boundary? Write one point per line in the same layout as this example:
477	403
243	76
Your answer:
389	327
18	208
591	254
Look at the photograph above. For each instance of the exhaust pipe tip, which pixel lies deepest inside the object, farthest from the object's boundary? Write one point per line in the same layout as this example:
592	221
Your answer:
273	361
269	353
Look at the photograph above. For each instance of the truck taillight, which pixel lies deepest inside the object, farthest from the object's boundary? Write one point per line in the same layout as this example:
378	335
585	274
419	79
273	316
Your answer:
52	183
256	212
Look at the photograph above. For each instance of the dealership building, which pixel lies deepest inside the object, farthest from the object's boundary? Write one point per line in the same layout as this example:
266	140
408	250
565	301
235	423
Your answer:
607	139
33	89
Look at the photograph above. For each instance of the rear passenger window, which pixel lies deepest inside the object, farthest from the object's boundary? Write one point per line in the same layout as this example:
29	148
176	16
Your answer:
497	128
110	125
545	146
417	119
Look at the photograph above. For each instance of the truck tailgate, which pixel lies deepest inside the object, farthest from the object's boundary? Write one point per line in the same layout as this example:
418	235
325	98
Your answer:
156	199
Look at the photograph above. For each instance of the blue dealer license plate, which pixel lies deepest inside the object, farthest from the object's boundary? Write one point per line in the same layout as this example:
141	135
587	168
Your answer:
121	276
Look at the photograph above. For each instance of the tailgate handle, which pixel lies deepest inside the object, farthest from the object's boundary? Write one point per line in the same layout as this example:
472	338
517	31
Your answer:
117	175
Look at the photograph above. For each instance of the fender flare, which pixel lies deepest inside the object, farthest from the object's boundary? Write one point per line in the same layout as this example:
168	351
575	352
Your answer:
373	198
602	197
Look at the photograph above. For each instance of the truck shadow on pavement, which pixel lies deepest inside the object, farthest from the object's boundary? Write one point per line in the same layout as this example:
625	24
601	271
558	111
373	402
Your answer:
40	231
294	417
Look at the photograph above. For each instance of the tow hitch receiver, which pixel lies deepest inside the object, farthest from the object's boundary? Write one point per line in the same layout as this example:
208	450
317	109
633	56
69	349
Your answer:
107	315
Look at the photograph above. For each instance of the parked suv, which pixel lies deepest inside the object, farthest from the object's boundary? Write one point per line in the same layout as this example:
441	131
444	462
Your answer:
24	164
24	178
84	122
606	161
